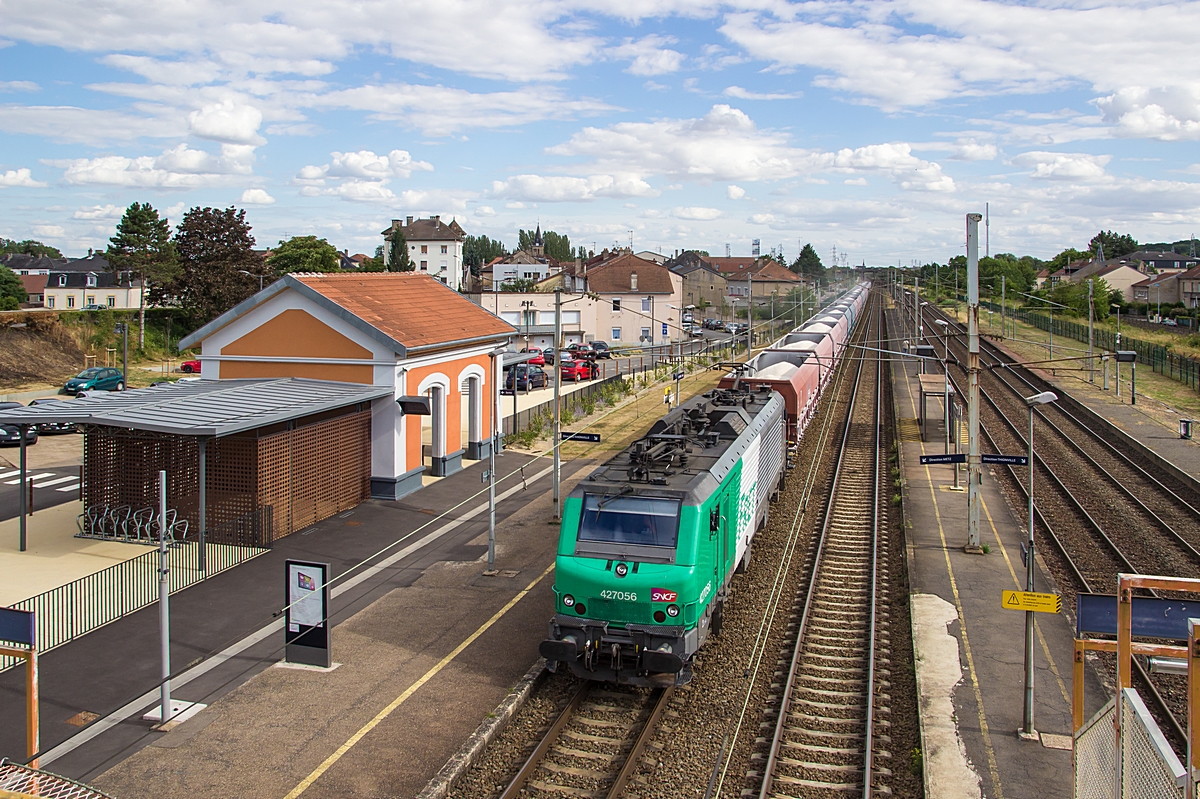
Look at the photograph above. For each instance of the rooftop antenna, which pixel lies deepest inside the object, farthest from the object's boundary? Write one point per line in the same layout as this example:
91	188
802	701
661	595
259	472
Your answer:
727	249
987	230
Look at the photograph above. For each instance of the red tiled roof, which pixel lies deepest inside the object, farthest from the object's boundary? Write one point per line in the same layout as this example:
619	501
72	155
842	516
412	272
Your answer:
731	266
414	309
614	276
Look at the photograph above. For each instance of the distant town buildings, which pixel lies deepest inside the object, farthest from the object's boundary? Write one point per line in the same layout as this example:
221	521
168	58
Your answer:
434	247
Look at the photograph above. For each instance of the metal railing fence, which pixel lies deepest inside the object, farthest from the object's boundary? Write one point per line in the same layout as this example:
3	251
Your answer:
1180	368
69	611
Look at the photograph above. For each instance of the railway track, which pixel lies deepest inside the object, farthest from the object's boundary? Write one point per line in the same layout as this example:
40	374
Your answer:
832	707
594	744
1102	510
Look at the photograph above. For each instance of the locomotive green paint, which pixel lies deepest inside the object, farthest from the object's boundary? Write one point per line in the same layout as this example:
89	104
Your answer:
609	631
703	562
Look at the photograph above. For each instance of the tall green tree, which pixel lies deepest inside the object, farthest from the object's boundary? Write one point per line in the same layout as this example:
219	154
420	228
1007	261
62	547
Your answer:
479	250
27	247
809	263
12	291
1115	244
398	260
304	254
1067	256
214	247
142	246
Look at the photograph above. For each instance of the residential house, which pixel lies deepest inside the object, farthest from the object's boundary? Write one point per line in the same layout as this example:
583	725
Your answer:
529	264
1039	281
765	279
434	247
1157	289
1118	274
1189	287
77	290
703	286
35	287
1153	261
650	255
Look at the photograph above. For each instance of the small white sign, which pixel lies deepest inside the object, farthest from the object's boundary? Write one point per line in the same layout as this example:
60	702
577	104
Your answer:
305	597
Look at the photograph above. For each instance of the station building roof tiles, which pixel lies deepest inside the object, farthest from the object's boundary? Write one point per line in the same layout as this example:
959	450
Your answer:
406	311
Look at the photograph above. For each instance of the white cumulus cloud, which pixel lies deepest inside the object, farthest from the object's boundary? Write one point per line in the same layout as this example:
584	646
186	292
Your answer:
1063	166
177	168
21	178
696	213
649	56
18	86
734	192
556	188
109	211
1170	114
227	121
257	197
366	165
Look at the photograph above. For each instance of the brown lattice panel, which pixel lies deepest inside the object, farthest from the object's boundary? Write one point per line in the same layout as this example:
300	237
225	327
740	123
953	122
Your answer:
305	473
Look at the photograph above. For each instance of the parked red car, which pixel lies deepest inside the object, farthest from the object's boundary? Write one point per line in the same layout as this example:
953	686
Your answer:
578	370
538	358
190	367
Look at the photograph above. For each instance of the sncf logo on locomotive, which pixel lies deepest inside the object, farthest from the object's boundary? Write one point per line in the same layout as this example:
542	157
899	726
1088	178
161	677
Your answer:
662	595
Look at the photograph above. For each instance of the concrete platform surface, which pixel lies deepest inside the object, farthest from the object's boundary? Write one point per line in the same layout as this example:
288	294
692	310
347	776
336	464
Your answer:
969	650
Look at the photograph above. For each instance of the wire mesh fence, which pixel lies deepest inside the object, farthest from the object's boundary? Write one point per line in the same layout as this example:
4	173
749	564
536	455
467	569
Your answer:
23	781
1160	359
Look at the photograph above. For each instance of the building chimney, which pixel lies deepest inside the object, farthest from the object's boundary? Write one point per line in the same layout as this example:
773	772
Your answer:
409	222
395	223
633	281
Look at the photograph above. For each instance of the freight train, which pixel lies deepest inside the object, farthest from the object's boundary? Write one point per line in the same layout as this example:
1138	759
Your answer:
650	541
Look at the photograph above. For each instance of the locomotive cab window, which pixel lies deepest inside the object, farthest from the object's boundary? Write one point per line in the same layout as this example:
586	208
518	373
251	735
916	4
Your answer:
646	528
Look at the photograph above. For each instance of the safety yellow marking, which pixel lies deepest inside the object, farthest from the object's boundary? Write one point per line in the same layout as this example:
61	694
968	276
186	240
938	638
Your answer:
993	768
908	430
412	689
1037	627
1031	600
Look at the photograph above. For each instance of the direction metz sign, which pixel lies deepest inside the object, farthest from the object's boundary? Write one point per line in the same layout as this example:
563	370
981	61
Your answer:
952	458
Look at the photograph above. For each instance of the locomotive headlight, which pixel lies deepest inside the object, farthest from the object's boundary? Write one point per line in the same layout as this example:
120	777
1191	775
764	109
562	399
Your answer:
568	600
622	569
672	610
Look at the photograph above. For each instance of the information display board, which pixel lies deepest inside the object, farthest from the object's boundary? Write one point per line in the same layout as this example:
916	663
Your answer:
306	620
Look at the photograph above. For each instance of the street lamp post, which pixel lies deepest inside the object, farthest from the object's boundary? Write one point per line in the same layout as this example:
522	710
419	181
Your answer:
1027	732
945	326
123	329
1117	363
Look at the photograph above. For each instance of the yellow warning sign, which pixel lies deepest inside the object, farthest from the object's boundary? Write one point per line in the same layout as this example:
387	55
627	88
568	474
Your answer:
1028	600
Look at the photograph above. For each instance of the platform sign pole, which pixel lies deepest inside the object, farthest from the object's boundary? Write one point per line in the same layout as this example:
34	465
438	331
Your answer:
1027	731
974	468
23	431
19	627
557	395
164	598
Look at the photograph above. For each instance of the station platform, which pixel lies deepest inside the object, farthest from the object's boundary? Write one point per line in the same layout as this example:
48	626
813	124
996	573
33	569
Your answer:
969	651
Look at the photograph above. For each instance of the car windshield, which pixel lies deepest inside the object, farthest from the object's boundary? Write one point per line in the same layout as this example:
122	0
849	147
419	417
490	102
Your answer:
642	521
90	373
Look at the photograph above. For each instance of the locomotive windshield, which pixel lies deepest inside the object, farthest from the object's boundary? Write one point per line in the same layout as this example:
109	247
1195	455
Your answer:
630	520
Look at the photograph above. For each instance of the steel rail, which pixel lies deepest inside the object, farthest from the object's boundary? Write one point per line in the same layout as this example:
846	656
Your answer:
768	774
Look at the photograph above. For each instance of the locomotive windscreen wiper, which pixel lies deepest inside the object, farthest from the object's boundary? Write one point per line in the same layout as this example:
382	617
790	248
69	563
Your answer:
603	500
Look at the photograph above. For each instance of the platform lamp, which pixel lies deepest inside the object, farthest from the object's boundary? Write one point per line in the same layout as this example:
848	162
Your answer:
945	326
1027	731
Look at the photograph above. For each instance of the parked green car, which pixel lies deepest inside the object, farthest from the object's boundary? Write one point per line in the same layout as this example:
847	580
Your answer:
96	378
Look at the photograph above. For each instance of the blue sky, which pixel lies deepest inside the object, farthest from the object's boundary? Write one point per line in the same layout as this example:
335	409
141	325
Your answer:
869	127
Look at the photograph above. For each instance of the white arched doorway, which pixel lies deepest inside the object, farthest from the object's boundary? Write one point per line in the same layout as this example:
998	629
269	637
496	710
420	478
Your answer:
475	436
433	429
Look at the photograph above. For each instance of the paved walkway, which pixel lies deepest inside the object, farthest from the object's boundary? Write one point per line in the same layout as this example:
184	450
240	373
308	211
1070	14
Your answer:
969	651
112	672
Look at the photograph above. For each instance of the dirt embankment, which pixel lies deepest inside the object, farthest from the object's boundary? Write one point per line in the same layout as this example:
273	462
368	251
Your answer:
37	350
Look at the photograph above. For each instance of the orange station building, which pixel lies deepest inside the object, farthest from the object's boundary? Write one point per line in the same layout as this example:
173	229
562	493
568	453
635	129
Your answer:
437	350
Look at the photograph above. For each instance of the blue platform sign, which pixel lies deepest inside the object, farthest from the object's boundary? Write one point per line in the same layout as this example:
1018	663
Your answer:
507	392
664	328
1096	614
1009	460
952	458
593	438
17	626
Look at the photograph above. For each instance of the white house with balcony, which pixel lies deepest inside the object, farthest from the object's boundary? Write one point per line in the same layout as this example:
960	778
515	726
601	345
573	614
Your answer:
434	247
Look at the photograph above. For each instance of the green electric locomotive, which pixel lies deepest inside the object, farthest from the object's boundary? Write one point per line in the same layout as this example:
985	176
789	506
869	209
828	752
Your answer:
650	541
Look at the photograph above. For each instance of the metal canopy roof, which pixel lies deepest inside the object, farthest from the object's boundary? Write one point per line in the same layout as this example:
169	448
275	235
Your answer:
202	407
